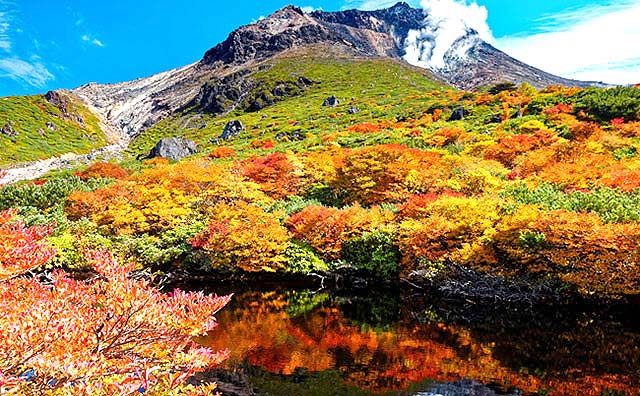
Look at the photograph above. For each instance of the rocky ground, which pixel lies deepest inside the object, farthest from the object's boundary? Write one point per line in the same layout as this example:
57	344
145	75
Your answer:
34	170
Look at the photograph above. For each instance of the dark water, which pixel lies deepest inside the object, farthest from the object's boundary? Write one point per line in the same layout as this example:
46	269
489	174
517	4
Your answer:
392	342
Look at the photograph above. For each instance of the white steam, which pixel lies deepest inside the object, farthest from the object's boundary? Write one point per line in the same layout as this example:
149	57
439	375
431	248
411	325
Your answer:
445	23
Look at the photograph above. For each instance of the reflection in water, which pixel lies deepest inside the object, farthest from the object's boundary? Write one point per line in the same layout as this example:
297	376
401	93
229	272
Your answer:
297	341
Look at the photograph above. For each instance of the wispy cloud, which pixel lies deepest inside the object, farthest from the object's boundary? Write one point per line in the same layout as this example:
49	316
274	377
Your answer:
31	71
593	43
92	40
5	42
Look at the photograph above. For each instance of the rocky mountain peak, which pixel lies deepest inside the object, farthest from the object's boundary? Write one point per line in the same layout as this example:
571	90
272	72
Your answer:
401	32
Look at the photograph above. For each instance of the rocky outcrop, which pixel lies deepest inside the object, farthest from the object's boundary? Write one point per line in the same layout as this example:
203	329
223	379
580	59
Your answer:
331	101
175	148
458	114
240	89
232	129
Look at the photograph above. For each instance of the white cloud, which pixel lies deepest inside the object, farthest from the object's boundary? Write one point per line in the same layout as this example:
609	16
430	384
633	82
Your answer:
32	73
595	43
89	39
5	42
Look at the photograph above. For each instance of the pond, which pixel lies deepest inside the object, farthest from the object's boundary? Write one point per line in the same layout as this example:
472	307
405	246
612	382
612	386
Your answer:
292	341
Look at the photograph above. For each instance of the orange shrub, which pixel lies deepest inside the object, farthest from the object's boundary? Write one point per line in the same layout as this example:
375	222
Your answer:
510	147
387	172
274	173
103	170
585	130
365	127
222	152
325	229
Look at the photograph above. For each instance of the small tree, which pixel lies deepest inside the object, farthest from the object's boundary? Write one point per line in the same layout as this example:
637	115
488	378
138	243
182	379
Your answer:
110	335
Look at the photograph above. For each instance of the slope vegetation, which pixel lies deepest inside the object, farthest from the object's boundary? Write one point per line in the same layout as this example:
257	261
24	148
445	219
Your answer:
42	126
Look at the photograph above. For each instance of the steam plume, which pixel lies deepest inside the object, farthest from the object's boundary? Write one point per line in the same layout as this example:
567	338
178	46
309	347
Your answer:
446	23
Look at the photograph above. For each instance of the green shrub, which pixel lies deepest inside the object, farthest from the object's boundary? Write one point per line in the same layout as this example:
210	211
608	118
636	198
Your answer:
164	250
607	104
300	302
373	252
302	259
293	204
612	205
49	194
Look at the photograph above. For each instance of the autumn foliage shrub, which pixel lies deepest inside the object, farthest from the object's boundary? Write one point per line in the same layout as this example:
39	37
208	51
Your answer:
577	248
386	173
274	173
243	236
222	152
108	335
365	127
510	147
325	229
103	170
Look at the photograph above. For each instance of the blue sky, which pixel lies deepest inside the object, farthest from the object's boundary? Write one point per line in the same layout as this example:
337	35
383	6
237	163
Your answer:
48	44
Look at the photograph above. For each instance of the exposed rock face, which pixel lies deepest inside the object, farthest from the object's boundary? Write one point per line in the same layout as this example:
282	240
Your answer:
58	100
220	96
231	130
175	148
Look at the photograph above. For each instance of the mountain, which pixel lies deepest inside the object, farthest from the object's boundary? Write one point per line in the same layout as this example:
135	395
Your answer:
222	73
263	63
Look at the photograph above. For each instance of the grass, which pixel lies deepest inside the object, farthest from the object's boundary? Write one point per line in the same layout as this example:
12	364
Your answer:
28	116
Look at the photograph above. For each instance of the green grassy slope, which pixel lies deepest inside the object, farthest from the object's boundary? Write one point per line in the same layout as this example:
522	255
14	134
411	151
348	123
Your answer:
377	87
77	131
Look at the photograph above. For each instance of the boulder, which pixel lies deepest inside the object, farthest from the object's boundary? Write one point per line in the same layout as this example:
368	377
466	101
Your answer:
9	131
458	114
353	110
231	130
331	101
495	119
51	126
175	148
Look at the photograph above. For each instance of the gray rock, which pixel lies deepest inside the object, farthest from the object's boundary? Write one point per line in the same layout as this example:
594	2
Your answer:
331	101
51	126
495	119
353	110
9	131
231	130
458	114
175	148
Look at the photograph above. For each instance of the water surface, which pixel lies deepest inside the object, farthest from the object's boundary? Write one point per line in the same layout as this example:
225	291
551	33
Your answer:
392	342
